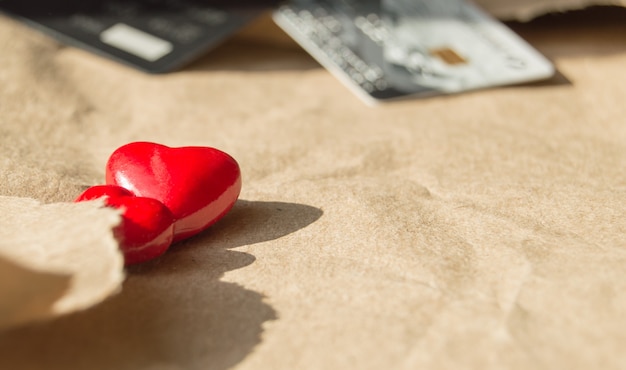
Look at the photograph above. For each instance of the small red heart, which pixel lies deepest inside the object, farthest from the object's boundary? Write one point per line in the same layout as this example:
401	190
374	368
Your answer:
198	184
147	227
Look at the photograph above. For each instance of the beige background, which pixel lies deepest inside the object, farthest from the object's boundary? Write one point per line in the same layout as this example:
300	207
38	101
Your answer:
481	231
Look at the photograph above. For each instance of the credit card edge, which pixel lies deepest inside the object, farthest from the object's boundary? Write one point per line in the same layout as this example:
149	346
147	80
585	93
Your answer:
281	21
70	41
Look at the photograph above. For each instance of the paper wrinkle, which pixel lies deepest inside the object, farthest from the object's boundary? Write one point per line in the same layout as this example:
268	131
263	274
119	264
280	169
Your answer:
70	242
27	294
478	231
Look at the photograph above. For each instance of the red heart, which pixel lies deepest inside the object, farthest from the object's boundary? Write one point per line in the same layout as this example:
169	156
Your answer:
198	184
147	227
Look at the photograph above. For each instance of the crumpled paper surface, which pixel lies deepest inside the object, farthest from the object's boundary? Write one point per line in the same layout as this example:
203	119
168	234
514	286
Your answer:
481	231
55	258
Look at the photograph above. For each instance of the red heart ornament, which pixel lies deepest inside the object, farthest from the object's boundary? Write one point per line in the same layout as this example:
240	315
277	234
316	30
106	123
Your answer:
199	185
147	227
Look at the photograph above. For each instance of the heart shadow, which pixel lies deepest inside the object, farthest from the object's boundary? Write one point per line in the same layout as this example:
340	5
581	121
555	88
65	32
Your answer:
174	312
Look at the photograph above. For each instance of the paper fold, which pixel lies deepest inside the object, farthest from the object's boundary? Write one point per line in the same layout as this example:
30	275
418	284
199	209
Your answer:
55	258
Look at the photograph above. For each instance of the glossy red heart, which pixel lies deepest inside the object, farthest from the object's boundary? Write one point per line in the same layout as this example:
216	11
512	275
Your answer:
147	227
198	184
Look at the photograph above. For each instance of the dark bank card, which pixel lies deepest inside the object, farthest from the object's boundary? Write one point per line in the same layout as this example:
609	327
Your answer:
155	36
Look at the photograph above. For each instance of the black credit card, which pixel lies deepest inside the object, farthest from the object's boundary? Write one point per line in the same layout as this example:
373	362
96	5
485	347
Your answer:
155	36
